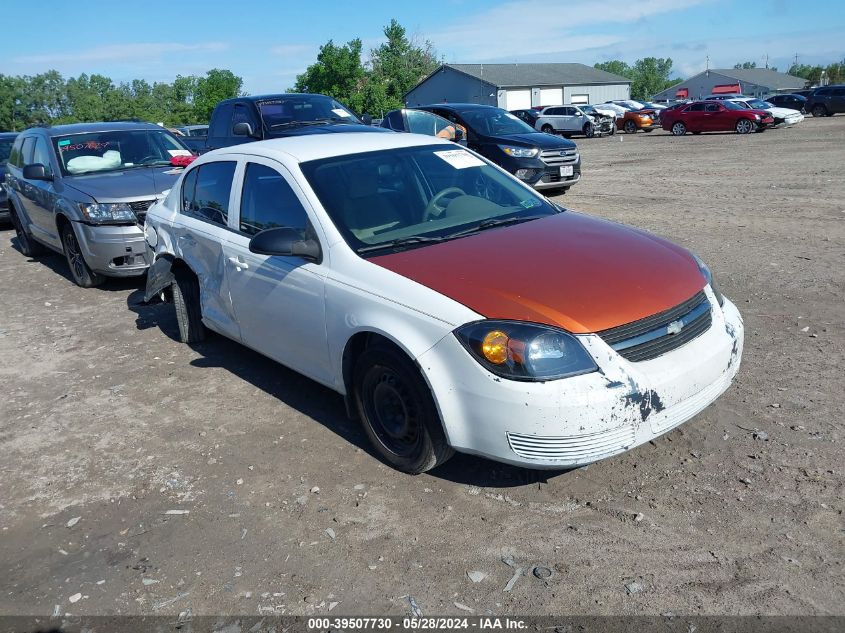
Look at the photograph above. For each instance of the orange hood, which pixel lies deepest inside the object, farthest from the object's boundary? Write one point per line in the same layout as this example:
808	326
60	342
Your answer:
569	270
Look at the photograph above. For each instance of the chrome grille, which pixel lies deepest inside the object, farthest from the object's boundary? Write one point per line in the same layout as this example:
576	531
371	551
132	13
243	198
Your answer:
139	208
555	157
656	335
585	448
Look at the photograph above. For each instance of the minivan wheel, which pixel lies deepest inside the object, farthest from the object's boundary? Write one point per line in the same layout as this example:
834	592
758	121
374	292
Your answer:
679	129
186	300
630	127
398	412
819	110
29	247
744	126
81	273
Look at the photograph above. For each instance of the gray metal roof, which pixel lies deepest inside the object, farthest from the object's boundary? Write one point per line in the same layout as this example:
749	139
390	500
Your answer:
508	75
767	77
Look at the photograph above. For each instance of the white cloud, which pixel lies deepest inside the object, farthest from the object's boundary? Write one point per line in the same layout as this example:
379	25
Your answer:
119	52
531	27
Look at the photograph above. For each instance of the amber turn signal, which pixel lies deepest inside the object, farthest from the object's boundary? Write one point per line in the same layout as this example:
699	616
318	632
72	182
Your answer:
495	347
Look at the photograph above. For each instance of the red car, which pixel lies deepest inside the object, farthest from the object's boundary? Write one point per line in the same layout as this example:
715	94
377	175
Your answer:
715	116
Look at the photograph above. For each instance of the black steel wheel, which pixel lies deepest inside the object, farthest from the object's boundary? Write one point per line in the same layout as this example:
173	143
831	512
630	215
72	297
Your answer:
398	412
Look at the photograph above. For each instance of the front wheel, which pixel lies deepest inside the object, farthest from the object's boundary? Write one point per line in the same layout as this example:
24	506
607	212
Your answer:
744	126
588	130
679	129
630	127
82	274
398	412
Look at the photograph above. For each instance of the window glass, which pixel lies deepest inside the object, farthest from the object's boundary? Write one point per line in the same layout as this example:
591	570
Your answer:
268	201
26	152
210	198
5	149
220	120
189	183
42	155
394	121
712	107
839	92
15	154
422	122
241	115
696	107
374	198
113	150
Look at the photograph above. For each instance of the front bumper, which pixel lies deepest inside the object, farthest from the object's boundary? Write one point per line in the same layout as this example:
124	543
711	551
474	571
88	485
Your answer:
576	421
543	175
116	251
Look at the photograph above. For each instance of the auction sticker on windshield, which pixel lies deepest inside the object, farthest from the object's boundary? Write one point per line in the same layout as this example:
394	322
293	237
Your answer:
340	112
459	159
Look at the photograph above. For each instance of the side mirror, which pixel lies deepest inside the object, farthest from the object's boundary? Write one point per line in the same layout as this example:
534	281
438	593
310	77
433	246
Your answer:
36	171
243	129
285	242
367	119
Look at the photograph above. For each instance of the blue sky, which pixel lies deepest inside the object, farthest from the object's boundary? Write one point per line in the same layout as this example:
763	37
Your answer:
268	43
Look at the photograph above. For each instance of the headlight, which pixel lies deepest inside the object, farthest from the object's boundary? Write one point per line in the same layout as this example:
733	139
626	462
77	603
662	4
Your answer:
519	152
525	351
705	270
105	213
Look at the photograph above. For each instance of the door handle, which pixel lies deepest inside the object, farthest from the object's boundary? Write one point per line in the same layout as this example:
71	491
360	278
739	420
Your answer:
238	263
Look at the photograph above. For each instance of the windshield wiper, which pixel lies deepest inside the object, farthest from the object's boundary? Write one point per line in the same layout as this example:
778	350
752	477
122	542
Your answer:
495	222
404	241
312	122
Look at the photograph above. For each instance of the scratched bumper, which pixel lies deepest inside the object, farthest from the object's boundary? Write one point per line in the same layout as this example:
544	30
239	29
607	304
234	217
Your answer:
576	421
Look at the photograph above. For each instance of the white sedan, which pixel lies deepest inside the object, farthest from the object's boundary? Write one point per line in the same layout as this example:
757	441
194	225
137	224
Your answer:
452	306
784	117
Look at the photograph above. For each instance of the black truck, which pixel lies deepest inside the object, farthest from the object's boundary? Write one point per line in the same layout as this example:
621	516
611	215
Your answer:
257	118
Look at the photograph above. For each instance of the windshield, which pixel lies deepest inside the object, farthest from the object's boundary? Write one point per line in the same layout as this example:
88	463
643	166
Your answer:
759	104
495	122
289	111
5	149
404	197
733	105
116	149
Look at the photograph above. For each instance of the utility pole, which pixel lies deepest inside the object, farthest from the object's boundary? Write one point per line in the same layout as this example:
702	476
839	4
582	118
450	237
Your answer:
767	60
708	63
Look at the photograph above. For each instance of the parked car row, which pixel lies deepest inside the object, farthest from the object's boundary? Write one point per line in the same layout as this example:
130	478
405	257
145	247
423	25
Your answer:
453	306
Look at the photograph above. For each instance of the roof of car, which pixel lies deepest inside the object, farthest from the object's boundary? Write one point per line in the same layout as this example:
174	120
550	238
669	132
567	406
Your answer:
8	134
459	107
103	126
280	95
316	146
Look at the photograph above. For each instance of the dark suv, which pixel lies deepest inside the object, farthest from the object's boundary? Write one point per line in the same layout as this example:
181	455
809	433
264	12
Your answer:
83	190
6	140
541	160
826	101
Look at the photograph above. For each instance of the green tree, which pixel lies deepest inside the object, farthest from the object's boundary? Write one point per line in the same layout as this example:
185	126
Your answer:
650	76
616	66
338	72
397	66
745	65
210	90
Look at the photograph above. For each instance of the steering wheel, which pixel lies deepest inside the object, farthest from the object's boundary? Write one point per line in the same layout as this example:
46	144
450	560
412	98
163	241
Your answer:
434	209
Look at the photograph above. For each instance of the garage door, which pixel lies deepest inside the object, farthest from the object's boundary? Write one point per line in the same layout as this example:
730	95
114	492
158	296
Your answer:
518	100
551	96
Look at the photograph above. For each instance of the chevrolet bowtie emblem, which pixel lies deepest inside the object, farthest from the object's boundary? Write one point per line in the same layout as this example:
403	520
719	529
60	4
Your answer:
675	327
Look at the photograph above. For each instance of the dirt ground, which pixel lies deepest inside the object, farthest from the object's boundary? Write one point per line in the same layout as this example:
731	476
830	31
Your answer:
139	475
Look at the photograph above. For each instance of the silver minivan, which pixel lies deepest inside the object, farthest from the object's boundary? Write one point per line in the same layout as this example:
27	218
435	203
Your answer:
83	190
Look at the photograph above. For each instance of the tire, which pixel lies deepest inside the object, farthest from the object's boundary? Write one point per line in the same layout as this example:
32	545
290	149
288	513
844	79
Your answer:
186	300
613	128
678	128
29	247
819	110
588	130
80	272
548	129
744	126
398	412
630	127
